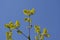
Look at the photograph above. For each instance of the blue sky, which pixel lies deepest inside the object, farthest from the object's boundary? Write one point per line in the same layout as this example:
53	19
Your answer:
47	15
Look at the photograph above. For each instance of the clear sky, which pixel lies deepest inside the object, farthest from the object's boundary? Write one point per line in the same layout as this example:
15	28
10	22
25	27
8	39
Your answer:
47	15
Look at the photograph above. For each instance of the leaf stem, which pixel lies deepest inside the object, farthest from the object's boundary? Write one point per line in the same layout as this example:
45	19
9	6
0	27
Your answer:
29	31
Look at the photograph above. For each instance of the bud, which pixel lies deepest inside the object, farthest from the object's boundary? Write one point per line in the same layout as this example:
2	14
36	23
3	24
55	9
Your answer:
29	12
27	20
11	25
32	11
19	32
45	31
42	37
36	38
9	35
26	12
37	28
17	24
6	25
